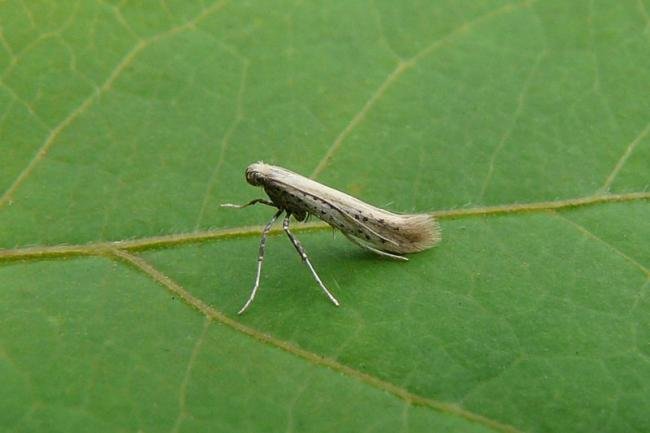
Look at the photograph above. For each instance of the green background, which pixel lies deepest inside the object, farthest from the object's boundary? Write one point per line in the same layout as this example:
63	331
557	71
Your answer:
131	122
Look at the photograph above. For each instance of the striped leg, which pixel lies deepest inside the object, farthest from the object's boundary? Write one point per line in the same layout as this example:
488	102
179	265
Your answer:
260	260
303	255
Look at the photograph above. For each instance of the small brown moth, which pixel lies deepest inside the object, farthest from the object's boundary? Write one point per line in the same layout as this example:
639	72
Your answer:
378	230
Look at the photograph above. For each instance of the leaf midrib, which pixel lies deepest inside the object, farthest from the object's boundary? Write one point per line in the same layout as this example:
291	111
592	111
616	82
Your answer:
174	240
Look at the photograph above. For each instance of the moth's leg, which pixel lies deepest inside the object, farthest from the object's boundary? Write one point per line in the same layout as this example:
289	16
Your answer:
375	250
260	260
250	203
303	255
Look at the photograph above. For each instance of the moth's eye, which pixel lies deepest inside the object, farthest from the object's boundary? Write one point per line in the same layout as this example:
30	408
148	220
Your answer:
253	177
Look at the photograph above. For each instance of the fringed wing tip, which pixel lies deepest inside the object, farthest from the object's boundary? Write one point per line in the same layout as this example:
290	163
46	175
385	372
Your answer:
422	232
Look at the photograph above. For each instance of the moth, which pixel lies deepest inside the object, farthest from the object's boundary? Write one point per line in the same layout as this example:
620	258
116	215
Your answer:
380	231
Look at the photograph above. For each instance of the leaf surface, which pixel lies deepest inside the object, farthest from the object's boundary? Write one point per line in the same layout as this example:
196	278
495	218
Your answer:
523	125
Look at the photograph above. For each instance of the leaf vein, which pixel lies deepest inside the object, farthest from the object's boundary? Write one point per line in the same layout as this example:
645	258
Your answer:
213	314
182	393
127	60
515	118
629	149
166	241
591	235
399	70
225	141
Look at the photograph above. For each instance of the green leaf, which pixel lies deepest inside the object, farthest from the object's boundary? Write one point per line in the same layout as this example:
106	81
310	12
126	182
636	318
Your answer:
523	125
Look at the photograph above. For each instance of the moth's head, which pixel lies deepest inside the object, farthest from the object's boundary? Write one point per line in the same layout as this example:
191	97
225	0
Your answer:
255	173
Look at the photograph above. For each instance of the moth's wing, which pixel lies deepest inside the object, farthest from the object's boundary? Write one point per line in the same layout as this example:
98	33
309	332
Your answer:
394	233
339	209
368	247
404	233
